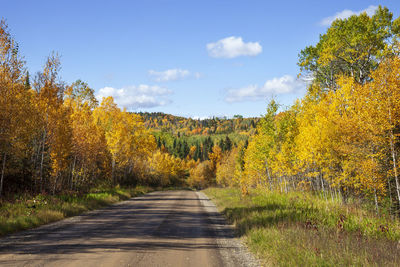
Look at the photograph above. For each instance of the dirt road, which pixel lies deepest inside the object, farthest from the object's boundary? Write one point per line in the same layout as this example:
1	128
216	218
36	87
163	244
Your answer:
172	228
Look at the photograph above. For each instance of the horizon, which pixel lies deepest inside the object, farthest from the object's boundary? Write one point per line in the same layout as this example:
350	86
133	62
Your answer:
196	118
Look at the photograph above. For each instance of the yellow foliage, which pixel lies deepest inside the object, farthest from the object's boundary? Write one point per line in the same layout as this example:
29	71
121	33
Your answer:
202	175
166	169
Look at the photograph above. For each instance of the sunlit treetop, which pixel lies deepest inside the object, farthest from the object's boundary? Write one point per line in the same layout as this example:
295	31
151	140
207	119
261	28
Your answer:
353	47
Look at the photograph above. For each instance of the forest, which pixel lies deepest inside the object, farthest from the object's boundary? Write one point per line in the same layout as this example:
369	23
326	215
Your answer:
57	138
341	140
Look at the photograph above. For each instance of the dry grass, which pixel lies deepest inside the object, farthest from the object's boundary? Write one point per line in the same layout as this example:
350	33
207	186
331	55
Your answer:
25	212
305	230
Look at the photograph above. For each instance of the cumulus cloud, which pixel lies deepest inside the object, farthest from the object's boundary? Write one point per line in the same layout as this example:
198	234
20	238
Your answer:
344	14
231	47
276	86
169	75
134	97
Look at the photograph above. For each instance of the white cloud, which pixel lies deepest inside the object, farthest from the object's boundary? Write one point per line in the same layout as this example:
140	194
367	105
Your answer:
171	75
282	85
231	47
134	97
344	14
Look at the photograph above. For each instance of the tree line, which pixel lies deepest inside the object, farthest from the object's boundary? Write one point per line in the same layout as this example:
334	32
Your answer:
56	137
342	138
181	126
196	148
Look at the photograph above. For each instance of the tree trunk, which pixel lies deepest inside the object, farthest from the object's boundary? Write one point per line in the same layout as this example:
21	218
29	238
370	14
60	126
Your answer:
72	173
392	138
331	191
293	185
395	166
342	195
41	161
322	185
284	180
33	167
112	171
55	184
2	174
36	164
269	177
376	202
84	174
390	191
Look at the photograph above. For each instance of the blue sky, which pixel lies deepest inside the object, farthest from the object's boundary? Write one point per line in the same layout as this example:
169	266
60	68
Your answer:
189	58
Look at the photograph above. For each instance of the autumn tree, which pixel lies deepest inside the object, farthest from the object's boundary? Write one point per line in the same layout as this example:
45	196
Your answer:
353	46
12	100
257	157
89	150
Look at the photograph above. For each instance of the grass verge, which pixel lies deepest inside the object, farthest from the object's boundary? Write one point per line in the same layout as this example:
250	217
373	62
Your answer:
25	212
300	229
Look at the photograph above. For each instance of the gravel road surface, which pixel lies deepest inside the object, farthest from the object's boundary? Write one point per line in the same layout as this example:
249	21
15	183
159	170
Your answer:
169	228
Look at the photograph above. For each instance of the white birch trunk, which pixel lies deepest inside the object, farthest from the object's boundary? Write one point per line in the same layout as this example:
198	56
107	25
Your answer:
2	174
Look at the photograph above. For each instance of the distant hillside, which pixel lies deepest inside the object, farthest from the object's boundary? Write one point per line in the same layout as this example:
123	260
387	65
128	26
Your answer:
187	137
188	126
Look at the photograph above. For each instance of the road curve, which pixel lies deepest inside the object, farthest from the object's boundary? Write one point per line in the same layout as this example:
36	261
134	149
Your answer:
170	228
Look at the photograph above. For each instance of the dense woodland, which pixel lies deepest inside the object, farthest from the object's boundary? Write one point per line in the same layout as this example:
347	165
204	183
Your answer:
181	126
341	140
56	137
187	137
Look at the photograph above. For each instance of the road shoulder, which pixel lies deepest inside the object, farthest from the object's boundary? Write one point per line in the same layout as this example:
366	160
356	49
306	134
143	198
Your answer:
232	250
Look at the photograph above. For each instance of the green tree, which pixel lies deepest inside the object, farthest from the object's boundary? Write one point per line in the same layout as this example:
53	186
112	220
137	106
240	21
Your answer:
352	47
228	144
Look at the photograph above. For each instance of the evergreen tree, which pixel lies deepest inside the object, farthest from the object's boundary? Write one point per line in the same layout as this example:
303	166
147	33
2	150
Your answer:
27	83
197	153
186	149
228	143
159	142
221	144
